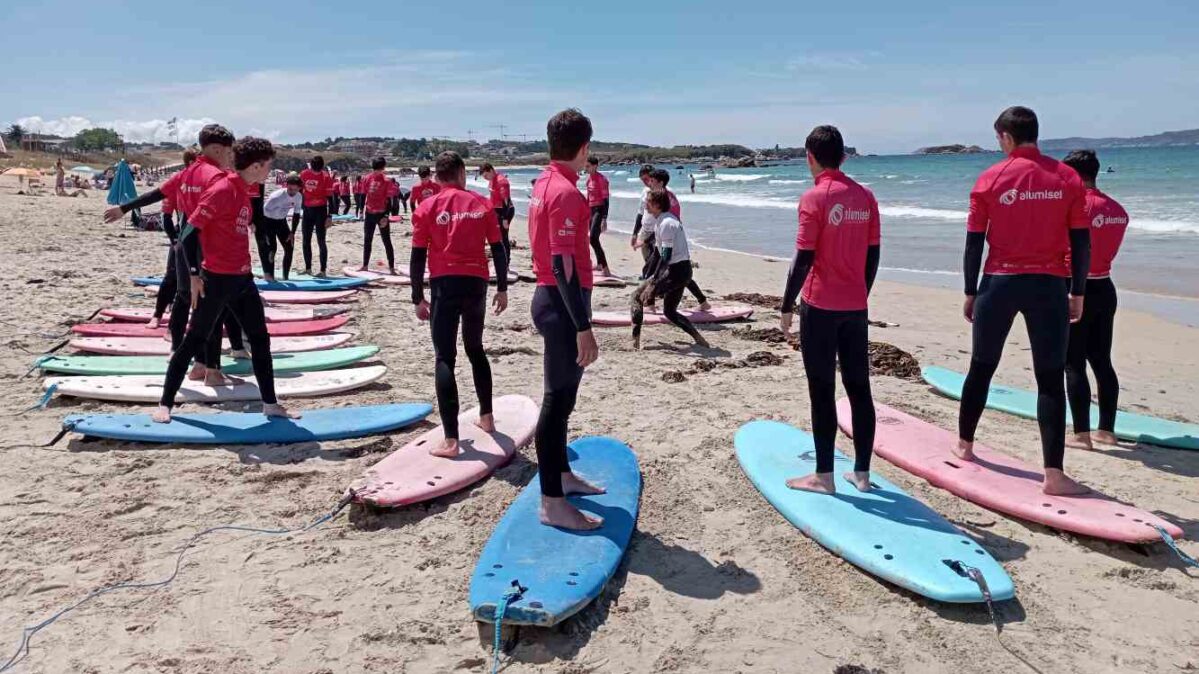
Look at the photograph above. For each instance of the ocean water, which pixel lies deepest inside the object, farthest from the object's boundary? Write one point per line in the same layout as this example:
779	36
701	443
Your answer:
923	201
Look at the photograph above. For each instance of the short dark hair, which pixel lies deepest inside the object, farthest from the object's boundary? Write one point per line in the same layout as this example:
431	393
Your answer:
485	167
250	150
568	131
659	198
593	160
215	134
317	163
646	169
190	155
826	146
1020	122
293	179
448	164
1085	163
378	163
423	172
661	175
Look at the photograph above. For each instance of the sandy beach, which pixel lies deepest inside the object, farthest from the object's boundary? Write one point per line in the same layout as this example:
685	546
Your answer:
715	580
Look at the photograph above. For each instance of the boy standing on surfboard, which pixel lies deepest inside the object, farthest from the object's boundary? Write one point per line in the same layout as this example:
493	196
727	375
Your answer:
1031	211
377	189
836	259
452	230
561	308
225	283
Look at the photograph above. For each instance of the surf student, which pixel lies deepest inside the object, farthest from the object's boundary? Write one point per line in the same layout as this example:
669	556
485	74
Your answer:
393	197
225	283
836	259
1030	210
334	192
636	242
344	193
1091	337
377	188
671	273
359	197
318	188
658	179
274	232
452	231
561	309
499	194
598	199
404	198
424	189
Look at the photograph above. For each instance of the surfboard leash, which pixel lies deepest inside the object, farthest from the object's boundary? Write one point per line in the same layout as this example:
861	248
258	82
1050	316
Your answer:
966	571
1169	541
28	633
512	594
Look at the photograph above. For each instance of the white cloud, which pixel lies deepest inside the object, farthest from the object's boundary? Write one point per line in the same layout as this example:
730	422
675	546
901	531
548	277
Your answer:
146	131
806	62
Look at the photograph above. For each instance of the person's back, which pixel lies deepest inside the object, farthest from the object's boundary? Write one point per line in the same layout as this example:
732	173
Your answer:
840	221
453	225
1109	222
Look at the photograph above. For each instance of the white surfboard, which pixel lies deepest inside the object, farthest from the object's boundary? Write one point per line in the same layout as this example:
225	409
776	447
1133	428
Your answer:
148	389
161	346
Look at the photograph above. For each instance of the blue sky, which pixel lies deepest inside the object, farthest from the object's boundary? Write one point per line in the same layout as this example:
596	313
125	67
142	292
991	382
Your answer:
892	75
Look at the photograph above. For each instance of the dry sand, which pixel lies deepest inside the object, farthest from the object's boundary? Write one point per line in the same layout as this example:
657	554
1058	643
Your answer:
715	580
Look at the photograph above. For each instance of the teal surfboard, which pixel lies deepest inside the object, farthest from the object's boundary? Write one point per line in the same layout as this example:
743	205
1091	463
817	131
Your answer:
304	361
251	428
1129	425
331	283
884	532
560	571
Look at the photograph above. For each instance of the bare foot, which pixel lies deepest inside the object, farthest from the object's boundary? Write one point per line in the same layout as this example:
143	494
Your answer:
573	484
162	415
155	321
218	378
446	449
1104	437
820	483
557	512
199	371
964	450
277	410
307	272
486	422
240	353
364	268
706	306
391	270
605	271
1080	441
859	480
637	343
1057	484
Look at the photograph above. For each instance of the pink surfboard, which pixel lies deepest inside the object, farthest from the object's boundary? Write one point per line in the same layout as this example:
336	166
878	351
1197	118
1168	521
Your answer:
378	276
411	475
715	315
273	314
294	296
161	346
1000	482
292	328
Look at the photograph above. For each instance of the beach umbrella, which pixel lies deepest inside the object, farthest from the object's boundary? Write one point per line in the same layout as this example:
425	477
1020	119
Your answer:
122	188
83	171
22	173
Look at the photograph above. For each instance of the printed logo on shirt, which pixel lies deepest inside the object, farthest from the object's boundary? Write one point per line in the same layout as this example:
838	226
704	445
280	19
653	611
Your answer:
1009	197
243	221
445	217
839	213
1013	195
1100	220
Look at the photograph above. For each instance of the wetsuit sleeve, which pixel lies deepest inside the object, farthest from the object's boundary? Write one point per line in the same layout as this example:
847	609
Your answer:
500	258
168	226
972	260
800	266
1080	260
572	294
295	221
872	258
637	225
152	197
416	272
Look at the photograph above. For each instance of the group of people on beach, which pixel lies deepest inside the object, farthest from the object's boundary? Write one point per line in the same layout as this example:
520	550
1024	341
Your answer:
1052	236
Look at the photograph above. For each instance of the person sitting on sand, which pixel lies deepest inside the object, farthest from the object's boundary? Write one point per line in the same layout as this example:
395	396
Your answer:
377	188
836	259
452	231
671	273
1030	210
223	218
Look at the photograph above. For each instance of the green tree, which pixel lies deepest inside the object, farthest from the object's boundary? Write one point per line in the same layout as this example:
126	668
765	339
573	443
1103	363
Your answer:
95	140
15	134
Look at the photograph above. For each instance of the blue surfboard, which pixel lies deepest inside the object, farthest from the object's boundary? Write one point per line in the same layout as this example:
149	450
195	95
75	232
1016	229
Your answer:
309	284
1129	425
884	532
245	428
562	571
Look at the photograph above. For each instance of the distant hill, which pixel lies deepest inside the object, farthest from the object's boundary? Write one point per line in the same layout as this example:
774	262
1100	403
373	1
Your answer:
1167	139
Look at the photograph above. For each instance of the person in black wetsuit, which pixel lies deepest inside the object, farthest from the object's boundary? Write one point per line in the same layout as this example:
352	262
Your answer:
671	273
1030	210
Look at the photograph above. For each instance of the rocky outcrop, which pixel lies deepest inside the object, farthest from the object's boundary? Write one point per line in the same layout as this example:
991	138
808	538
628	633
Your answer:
951	149
737	162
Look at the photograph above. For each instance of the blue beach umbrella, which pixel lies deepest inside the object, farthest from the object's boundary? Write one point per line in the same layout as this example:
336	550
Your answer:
122	188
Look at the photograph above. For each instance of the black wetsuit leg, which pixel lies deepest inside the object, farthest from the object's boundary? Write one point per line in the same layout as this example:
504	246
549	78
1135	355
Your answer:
166	290
826	336
598	213
561	383
345	204
264	238
1091	342
308	222
670	289
368	232
455	298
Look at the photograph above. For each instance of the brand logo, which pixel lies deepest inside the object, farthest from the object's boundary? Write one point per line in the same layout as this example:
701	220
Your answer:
1101	220
1013	195
445	217
839	213
1009	197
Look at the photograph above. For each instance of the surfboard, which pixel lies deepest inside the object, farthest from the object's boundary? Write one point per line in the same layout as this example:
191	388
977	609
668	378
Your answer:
273	314
345	217
148	388
161	346
279	284
715	315
378	277
1129	425
561	571
885	532
288	329
251	428
609	281
308	361
295	296
1000	482
411	475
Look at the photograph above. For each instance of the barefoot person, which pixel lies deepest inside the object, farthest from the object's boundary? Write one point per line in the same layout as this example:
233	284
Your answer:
377	188
598	195
1091	337
452	231
836	259
636	241
318	190
499	195
657	180
222	217
561	308
1030	210
671	273
359	197
275	231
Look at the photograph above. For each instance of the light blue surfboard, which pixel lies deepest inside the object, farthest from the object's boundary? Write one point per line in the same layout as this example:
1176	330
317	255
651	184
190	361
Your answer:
884	531
251	428
309	284
1129	426
562	571
303	361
